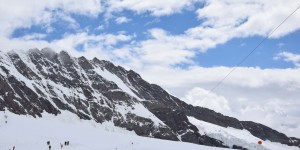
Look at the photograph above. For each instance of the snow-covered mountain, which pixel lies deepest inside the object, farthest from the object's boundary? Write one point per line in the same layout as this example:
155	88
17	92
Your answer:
40	83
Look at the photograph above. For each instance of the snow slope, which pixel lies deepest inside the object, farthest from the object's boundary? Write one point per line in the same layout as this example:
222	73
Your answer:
112	77
231	136
28	133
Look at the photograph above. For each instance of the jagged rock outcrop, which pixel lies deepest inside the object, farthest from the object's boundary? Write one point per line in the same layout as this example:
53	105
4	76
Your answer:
37	81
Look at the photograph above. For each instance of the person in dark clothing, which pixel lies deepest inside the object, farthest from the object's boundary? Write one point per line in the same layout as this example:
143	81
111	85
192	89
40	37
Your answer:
48	142
14	148
65	143
49	147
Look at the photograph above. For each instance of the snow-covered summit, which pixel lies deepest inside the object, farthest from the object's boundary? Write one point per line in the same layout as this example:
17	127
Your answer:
38	82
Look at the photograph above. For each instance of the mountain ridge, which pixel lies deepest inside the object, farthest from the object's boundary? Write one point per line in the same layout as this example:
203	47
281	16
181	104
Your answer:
37	81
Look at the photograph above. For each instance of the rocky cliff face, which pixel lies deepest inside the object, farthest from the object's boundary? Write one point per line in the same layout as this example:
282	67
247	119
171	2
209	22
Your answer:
37	81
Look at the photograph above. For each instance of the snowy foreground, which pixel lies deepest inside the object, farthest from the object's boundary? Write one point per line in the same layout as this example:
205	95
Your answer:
28	133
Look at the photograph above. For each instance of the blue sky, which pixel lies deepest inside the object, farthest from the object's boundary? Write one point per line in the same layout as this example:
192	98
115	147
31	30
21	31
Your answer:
185	46
228	54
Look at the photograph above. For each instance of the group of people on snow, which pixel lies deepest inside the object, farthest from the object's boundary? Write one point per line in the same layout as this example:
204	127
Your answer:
66	143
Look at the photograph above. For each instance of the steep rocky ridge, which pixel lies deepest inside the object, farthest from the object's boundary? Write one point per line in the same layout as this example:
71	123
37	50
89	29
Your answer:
162	100
37	81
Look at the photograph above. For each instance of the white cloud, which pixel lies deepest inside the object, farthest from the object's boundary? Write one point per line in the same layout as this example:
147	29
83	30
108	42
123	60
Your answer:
204	98
34	36
63	17
250	17
243	77
121	20
222	20
280	114
91	45
225	20
15	14
100	27
154	7
160	49
289	57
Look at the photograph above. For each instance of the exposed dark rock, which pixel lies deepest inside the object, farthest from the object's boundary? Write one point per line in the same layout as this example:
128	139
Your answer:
238	147
22	67
37	81
162	102
84	63
213	117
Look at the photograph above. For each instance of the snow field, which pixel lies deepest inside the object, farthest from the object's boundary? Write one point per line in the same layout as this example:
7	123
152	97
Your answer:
28	133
